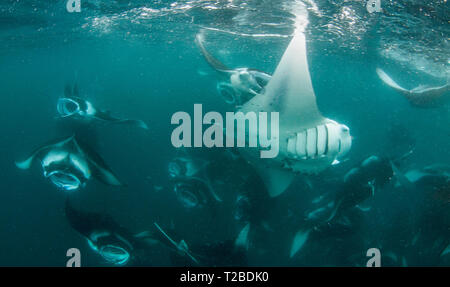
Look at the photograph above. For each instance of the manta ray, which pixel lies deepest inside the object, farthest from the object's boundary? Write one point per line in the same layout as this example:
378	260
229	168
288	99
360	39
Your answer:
73	106
421	96
308	142
70	166
242	83
114	243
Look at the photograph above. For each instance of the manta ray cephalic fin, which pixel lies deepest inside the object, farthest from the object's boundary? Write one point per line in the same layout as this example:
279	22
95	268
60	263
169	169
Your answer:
389	81
212	61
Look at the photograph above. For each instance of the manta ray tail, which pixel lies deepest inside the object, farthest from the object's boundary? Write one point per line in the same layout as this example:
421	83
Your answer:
182	246
300	238
137	123
67	91
216	64
75	91
390	82
107	117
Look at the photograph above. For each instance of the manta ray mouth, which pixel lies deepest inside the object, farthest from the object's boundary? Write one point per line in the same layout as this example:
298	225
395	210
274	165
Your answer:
67	107
227	92
64	180
176	168
186	197
114	254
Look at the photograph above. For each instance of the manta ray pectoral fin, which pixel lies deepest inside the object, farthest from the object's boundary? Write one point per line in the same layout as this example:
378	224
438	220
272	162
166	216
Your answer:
101	171
97	166
276	180
390	82
363	208
209	187
213	193
335	162
401	178
242	240
300	238
290	91
334	211
445	251
139	123
146	237
25	164
105	175
143	234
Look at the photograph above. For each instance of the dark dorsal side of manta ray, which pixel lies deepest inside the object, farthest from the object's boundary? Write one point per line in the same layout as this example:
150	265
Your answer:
242	80
308	142
105	236
87	223
102	230
420	96
359	184
67	154
192	171
72	105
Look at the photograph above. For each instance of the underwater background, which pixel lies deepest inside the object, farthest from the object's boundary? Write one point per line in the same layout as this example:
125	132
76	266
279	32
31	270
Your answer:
139	60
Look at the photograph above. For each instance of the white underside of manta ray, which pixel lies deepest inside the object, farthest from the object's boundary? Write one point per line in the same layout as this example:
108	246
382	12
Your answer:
308	142
421	96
